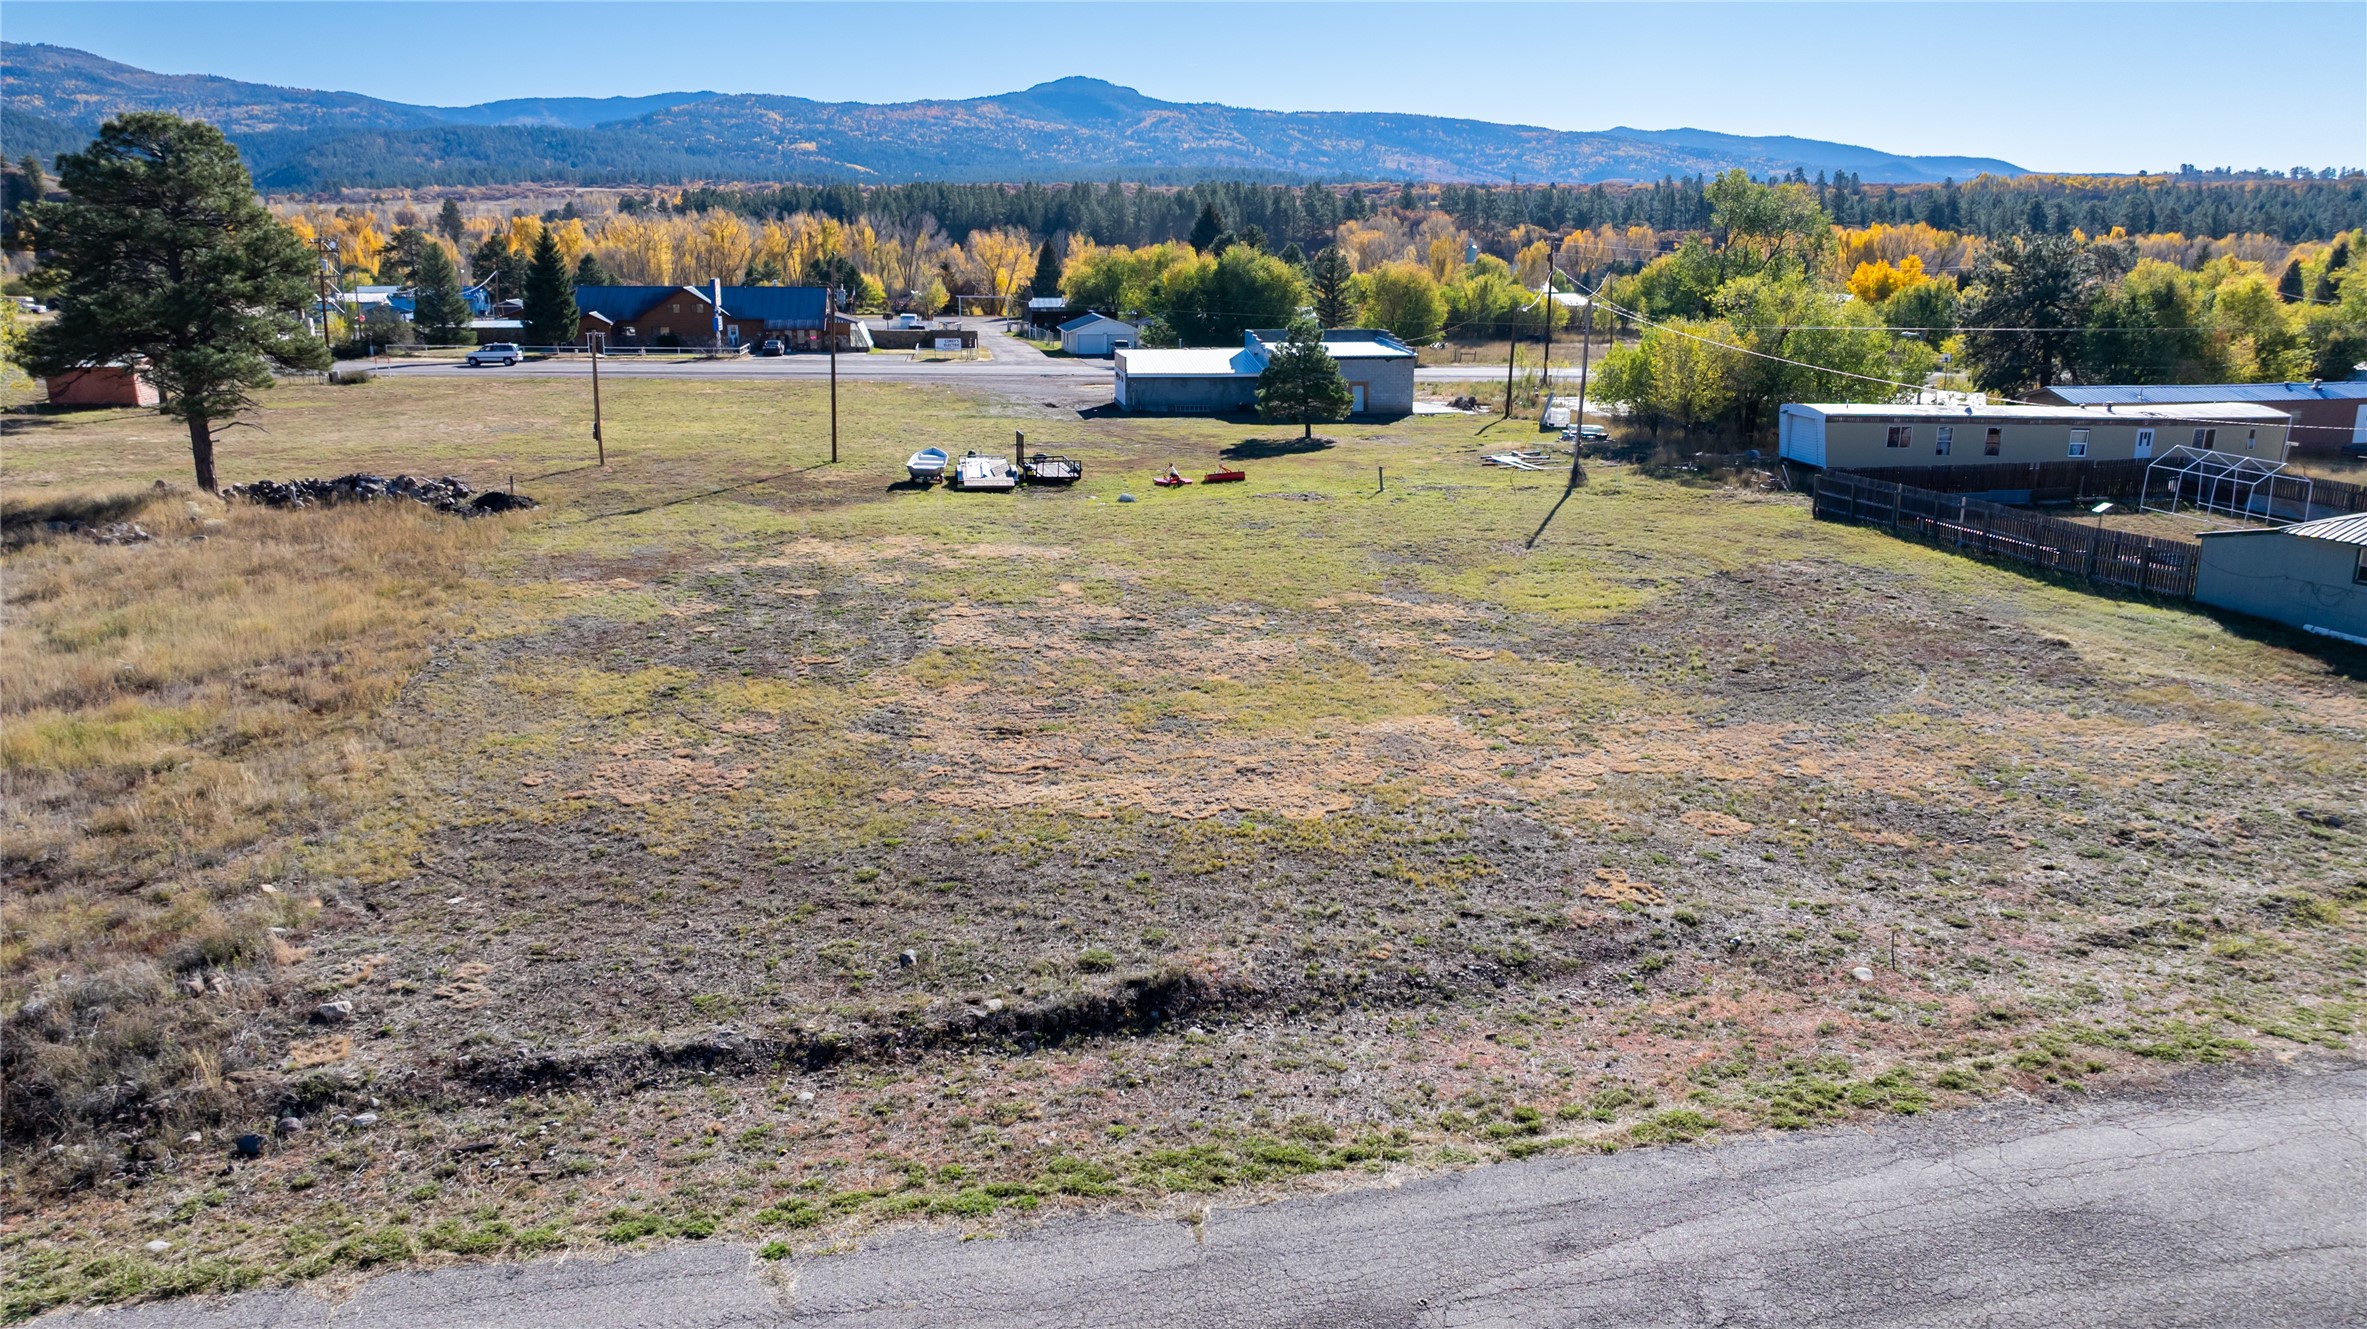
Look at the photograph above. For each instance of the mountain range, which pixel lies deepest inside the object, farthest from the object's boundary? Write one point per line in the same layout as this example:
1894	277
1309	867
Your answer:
52	98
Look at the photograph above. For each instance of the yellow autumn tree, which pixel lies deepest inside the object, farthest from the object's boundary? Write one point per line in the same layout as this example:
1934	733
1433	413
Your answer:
1876	282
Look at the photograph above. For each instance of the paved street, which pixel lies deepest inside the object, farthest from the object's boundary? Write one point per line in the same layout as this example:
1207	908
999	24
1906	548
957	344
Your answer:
1012	366
2231	1200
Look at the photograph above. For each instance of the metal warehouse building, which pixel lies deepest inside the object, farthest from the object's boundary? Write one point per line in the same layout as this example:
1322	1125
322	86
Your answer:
1851	436
2311	576
1212	380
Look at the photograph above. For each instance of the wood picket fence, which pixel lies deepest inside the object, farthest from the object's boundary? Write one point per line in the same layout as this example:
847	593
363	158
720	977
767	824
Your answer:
1993	530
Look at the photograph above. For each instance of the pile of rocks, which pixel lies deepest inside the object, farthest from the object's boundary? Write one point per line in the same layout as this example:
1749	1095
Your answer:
444	494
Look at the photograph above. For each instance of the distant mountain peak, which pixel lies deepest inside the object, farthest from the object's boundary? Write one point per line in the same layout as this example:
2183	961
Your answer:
1078	97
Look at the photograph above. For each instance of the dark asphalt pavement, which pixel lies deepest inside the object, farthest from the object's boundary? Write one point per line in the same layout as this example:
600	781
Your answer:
2235	1199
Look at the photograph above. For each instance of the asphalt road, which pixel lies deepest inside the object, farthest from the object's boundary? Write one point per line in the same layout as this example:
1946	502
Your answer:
2234	1200
1014	366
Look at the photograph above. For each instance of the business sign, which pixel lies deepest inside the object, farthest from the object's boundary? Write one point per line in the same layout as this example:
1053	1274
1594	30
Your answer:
949	343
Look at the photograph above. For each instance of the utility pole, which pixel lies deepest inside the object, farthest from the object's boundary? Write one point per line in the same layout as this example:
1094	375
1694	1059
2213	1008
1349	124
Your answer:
320	277
1585	380
1545	391
1511	355
831	295
599	439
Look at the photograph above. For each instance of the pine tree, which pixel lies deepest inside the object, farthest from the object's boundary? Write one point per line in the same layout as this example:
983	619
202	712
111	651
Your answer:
439	310
550	296
590	273
449	223
1205	231
2289	288
1327	278
162	252
1301	383
1047	278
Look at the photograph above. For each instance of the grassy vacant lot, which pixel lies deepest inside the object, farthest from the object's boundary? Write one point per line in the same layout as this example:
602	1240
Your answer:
744	846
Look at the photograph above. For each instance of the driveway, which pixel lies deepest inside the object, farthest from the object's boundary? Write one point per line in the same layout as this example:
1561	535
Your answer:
2236	1199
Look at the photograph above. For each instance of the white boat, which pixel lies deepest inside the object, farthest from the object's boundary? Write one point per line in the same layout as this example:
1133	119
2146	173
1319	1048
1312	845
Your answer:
926	465
977	471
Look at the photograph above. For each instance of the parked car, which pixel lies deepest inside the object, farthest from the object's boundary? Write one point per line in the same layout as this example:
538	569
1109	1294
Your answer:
772	348
494	353
1593	434
910	320
2355	451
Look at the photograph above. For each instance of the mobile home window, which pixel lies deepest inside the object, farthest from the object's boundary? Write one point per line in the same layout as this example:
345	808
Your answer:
1993	444
1901	436
1946	440
2079	443
2359	573
2251	439
2206	438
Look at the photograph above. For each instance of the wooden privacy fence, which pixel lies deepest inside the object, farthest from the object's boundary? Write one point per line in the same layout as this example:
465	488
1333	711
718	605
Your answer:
2071	481
2079	549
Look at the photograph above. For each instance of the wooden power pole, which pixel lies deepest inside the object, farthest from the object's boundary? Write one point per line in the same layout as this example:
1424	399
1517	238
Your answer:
594	339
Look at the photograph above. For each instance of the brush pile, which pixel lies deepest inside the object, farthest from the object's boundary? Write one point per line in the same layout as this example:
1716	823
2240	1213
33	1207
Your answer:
444	494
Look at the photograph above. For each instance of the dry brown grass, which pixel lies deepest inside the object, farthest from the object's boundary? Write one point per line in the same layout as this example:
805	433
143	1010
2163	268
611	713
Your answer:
167	707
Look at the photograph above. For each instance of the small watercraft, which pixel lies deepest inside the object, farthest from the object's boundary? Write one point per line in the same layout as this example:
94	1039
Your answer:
926	465
977	471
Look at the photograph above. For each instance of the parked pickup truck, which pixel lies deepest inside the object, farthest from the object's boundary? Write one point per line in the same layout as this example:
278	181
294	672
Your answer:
494	353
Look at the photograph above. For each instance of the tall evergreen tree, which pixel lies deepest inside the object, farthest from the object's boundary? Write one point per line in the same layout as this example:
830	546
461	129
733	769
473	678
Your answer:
2289	286
162	252
504	268
1047	278
589	272
550	296
439	311
1301	383
1205	231
2036	293
1328	277
450	224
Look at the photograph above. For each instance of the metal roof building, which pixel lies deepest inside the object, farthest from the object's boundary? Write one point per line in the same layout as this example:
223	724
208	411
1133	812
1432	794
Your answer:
2311	575
1211	380
2327	414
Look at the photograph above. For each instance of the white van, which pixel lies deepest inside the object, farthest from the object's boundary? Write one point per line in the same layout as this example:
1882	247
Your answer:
494	353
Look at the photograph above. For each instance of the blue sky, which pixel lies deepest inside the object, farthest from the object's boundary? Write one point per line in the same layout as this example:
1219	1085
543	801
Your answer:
2108	87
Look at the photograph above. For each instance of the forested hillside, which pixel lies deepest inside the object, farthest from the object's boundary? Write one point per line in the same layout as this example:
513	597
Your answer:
297	139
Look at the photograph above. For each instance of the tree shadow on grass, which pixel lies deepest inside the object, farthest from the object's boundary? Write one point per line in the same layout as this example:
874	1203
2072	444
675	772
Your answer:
1256	449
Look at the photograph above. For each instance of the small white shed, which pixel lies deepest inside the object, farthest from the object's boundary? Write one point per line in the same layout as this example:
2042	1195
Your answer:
1096	334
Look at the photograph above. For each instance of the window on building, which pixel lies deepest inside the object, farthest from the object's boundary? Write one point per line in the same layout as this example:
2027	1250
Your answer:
1994	443
665	332
2359	573
2079	443
2251	439
1947	440
2206	438
674	308
1901	436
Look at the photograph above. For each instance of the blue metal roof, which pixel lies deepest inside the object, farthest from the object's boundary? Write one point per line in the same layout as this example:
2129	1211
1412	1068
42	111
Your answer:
2165	394
619	304
778	306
